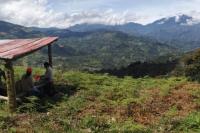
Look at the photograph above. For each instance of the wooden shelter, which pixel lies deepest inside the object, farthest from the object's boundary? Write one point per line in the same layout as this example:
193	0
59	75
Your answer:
11	50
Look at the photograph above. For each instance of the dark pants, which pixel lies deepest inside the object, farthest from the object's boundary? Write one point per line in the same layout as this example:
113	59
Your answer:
33	93
49	89
2	91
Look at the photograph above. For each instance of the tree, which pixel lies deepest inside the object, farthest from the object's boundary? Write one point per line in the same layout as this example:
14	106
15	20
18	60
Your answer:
192	66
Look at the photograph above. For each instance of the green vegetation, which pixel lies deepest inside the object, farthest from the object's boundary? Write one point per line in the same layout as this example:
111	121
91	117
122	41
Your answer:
87	102
107	50
192	69
190	124
91	50
98	50
102	103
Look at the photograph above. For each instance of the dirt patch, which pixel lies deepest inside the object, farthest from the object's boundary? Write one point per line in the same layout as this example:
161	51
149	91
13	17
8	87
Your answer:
152	110
157	106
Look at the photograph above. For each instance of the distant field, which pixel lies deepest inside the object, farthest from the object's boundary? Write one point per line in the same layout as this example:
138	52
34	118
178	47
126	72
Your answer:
103	103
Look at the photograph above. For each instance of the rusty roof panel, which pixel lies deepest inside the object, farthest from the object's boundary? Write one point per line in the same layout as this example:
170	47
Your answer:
11	49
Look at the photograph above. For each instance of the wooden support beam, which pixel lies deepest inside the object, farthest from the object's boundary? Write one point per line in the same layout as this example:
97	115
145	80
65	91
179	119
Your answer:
10	83
50	55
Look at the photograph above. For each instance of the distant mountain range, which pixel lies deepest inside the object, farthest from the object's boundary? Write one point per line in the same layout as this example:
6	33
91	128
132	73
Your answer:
9	30
181	31
178	31
96	46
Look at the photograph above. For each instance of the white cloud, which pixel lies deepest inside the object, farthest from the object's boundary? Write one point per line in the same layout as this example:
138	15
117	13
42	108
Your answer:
64	13
28	12
37	13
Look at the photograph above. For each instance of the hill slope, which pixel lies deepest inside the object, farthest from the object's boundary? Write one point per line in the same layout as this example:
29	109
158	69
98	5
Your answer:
9	30
91	50
102	103
109	49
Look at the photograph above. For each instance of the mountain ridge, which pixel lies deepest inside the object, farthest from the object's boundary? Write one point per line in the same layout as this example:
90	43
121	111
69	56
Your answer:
178	31
95	49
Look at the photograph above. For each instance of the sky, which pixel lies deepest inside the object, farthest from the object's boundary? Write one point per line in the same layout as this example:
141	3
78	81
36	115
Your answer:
66	13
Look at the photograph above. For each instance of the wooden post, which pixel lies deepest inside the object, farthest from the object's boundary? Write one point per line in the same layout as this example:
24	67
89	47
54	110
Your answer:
50	55
10	83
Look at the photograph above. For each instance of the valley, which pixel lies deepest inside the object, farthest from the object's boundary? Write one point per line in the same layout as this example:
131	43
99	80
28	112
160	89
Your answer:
112	78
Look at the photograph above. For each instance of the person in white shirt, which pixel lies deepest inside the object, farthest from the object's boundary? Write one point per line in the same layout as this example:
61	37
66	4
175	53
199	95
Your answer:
48	76
48	80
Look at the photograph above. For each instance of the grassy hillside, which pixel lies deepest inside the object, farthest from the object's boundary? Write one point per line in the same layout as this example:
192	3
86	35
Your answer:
100	50
9	30
102	103
107	50
90	50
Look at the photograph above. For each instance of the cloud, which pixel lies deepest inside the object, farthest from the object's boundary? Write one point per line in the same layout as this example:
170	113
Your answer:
28	12
38	13
105	17
65	13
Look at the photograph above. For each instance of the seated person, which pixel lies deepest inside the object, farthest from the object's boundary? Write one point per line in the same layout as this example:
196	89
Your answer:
48	76
26	84
2	86
47	79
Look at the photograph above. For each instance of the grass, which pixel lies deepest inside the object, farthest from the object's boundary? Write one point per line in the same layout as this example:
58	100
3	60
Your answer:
190	124
103	103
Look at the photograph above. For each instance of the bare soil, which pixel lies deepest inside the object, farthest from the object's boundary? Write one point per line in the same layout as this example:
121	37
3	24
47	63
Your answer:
153	109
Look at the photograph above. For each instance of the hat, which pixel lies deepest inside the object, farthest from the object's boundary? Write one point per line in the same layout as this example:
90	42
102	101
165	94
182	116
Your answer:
29	70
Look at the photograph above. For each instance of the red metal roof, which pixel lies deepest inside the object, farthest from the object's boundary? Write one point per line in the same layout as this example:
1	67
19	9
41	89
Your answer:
12	49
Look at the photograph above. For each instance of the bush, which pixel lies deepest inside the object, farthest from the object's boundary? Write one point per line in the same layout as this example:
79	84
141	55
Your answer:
192	66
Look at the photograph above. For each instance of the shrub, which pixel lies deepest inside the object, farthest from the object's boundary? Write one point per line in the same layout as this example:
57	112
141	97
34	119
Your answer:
192	66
